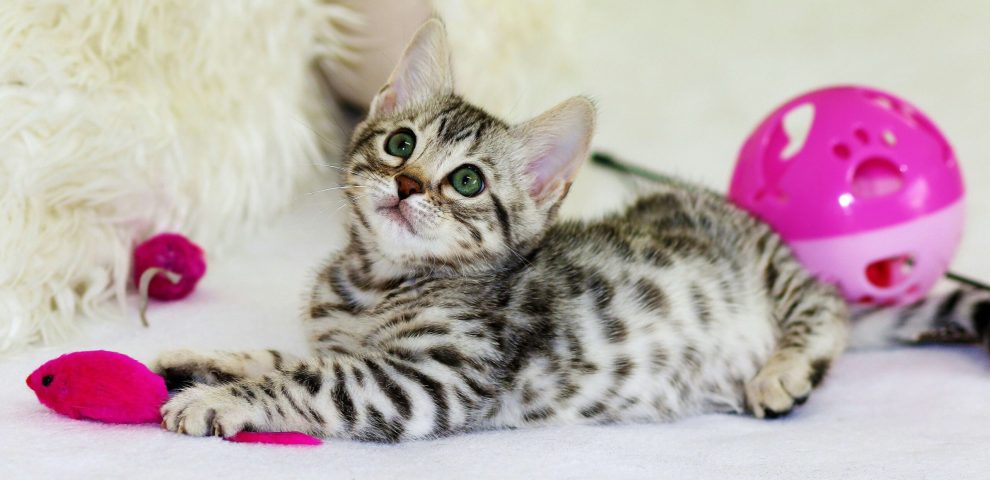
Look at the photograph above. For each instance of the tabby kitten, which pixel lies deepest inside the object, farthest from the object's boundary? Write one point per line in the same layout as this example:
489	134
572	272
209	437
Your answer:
459	304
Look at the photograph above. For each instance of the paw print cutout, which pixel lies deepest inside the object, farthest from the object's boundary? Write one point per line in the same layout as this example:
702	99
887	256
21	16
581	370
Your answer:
877	173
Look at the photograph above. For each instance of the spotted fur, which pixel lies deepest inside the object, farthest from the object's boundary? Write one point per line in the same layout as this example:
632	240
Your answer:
448	314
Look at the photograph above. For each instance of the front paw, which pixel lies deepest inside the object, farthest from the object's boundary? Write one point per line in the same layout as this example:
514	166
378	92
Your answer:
209	410
782	384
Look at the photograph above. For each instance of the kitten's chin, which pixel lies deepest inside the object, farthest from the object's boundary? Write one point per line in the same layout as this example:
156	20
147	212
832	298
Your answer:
396	234
395	220
399	245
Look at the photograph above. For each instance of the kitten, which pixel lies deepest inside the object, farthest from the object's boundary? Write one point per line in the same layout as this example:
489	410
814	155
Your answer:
459	304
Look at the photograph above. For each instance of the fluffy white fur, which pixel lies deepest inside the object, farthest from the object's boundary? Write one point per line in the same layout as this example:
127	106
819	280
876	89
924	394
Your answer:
122	119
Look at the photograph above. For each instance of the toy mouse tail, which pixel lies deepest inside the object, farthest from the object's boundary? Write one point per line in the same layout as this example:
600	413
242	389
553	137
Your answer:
961	315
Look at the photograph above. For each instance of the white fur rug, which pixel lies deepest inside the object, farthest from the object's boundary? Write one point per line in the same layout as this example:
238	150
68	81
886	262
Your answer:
123	119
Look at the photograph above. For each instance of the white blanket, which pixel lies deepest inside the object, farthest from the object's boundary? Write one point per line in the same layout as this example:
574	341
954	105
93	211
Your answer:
908	413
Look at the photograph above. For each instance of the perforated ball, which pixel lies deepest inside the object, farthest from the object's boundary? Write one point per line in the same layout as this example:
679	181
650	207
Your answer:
862	186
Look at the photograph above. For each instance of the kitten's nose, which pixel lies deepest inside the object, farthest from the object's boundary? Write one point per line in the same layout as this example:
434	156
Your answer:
408	186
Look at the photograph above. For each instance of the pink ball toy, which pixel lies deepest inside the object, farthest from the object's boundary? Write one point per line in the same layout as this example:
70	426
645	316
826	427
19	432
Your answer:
871	199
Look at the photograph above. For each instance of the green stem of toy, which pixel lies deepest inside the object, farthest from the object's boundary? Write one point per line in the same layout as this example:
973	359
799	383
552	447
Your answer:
967	281
608	162
145	282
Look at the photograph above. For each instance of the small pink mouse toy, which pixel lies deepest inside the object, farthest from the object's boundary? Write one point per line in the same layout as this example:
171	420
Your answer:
169	265
100	385
166	267
114	388
869	196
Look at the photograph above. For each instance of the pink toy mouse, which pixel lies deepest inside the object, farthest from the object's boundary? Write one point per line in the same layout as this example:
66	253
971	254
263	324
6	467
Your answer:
100	385
114	388
168	254
166	267
869	198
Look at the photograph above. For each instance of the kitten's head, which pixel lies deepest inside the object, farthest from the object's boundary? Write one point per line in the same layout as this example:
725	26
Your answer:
437	182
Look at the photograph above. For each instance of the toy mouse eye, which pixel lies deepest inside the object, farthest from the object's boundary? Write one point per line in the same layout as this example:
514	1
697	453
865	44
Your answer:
47	380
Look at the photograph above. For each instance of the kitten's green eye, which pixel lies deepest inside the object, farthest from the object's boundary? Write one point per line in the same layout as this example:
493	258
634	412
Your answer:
467	180
401	143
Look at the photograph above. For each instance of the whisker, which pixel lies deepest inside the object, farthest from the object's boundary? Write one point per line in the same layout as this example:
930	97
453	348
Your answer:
328	165
379	189
519	256
342	169
364	176
346	203
320	136
342	187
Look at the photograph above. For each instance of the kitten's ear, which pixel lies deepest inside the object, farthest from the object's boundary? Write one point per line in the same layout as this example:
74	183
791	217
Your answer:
423	72
556	144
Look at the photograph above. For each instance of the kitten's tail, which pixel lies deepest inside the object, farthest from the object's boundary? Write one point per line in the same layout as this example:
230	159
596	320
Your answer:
961	315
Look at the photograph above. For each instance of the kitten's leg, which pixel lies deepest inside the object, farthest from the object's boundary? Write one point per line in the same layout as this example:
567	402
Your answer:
959	316
182	368
813	322
418	383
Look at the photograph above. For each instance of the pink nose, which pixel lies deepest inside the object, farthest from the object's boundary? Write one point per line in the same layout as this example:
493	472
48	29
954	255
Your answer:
408	186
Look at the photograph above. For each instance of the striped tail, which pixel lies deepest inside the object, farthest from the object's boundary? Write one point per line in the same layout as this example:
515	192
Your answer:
961	315
958	316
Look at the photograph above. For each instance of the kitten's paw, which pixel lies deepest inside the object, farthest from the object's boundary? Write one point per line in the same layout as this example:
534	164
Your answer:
208	410
184	368
782	384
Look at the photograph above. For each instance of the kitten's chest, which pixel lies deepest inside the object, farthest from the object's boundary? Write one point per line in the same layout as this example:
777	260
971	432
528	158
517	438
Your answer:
403	296
416	311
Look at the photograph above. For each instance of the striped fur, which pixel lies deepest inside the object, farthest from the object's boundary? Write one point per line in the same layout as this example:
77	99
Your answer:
482	312
960	315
